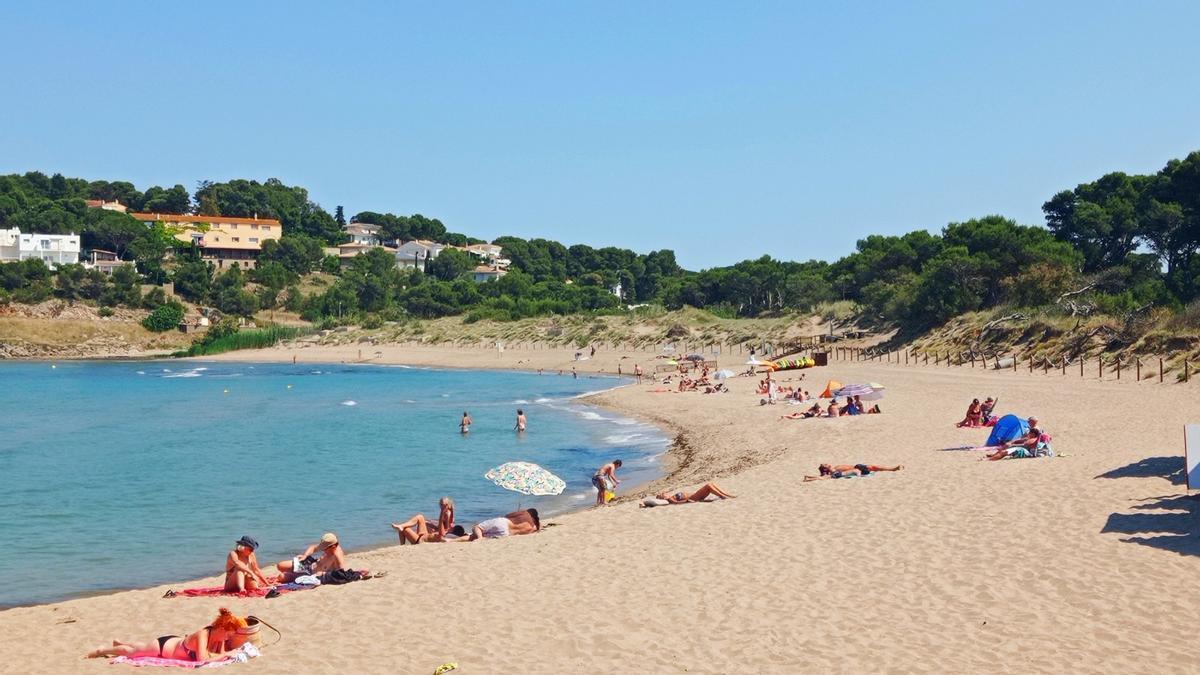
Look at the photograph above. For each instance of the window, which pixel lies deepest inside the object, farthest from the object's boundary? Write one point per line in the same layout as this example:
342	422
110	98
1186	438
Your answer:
253	240
45	243
254	227
237	238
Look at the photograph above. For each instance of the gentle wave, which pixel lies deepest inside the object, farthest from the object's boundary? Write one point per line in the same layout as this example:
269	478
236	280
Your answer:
349	402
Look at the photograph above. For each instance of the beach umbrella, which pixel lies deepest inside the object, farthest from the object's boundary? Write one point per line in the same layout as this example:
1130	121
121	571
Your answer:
852	390
830	386
876	386
526	478
722	374
694	357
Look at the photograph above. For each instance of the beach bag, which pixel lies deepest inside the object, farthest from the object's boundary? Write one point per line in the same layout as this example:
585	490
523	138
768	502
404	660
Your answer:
252	633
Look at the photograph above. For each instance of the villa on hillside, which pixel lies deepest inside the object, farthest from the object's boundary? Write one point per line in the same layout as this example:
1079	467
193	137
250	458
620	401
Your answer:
414	254
348	252
363	233
484	273
105	261
114	205
52	249
222	240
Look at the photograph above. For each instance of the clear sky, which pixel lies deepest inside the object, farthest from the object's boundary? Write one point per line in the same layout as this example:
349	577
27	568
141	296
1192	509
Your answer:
723	131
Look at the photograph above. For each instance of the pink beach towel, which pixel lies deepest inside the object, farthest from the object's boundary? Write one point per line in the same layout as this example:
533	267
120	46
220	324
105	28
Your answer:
157	661
218	590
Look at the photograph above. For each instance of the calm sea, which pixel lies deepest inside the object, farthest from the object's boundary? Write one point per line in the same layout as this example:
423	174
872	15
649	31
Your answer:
128	474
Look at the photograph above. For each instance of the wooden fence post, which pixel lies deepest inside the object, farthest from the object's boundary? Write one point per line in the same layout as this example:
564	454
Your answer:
1138	365
1160	369
1081	360
1100	366
1014	362
1185	370
1064	365
1118	367
1031	364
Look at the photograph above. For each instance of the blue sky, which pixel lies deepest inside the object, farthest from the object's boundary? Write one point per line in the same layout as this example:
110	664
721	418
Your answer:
722	131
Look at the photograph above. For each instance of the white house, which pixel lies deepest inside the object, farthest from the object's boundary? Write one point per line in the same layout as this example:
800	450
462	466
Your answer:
105	261
413	254
363	233
485	273
53	249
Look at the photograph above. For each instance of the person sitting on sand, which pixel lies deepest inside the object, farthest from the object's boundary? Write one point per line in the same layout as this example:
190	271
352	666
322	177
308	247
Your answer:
985	411
416	529
464	425
971	419
516	523
605	480
206	643
1025	446
827	471
333	557
242	572
850	408
832	410
699	495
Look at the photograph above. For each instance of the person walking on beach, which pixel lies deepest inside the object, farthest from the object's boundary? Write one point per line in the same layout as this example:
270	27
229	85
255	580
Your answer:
464	425
605	480
637	372
242	572
574	373
521	421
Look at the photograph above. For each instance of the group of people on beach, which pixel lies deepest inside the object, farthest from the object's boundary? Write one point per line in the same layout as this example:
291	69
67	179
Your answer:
853	405
420	529
979	414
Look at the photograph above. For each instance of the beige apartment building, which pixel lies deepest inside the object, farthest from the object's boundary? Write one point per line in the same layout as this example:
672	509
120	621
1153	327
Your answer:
222	240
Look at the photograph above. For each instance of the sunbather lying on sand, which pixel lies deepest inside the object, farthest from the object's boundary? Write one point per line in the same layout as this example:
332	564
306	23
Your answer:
517	522
842	470
1025	446
208	642
416	529
814	411
698	496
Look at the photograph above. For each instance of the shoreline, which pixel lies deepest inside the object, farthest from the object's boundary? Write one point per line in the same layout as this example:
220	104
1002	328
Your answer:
588	398
753	582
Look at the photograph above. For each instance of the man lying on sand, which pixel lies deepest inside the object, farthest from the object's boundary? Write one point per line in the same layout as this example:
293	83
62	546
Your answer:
242	572
515	523
333	557
827	471
698	496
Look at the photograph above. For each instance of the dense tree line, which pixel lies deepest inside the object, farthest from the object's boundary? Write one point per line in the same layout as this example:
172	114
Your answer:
1134	239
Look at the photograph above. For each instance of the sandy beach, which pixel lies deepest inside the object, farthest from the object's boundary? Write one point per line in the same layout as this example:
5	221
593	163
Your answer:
1082	562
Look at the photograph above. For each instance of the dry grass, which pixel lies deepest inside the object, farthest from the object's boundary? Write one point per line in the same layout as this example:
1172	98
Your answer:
73	332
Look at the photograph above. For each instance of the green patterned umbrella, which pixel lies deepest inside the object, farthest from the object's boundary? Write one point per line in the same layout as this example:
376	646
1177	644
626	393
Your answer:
526	478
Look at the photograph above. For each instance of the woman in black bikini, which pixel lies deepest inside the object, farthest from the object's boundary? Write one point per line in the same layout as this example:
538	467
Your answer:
204	644
843	470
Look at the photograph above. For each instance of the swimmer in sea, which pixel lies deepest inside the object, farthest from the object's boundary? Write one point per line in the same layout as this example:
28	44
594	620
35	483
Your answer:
465	425
520	420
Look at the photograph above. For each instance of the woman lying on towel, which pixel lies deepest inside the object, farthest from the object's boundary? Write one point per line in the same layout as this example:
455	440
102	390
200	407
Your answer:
827	471
699	495
208	642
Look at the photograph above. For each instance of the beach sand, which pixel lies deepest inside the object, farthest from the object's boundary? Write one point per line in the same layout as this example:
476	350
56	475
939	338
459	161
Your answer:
1078	563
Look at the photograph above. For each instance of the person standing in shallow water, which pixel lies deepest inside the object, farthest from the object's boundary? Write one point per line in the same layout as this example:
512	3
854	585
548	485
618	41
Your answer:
605	480
464	425
521	421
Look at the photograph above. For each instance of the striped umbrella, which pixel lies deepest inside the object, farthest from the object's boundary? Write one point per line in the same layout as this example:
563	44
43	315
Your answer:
854	390
526	478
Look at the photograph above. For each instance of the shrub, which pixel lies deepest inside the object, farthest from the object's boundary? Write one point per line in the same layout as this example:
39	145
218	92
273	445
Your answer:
372	321
154	298
164	317
106	312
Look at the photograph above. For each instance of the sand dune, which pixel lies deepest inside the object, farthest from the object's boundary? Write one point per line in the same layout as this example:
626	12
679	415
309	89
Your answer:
1083	562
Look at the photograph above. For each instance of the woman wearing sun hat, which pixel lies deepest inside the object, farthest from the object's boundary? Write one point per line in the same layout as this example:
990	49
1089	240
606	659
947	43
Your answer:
242	572
332	558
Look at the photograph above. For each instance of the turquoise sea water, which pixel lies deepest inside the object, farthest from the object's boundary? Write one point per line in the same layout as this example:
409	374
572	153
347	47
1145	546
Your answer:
127	474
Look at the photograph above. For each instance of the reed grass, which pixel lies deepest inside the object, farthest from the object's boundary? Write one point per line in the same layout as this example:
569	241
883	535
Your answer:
252	338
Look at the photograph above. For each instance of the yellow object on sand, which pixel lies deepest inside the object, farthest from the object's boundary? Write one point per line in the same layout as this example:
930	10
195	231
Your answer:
609	495
445	668
830	387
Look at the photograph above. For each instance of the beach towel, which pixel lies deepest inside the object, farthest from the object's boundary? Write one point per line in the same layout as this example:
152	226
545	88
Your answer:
241	655
220	591
1008	428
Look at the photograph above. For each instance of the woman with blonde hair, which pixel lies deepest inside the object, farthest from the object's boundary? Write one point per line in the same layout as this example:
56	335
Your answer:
206	643
416	529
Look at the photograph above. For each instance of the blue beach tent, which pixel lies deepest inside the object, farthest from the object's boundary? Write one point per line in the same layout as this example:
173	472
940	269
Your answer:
1008	428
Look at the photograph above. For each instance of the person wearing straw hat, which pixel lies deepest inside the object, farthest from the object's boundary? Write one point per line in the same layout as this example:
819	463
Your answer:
242	572
333	557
